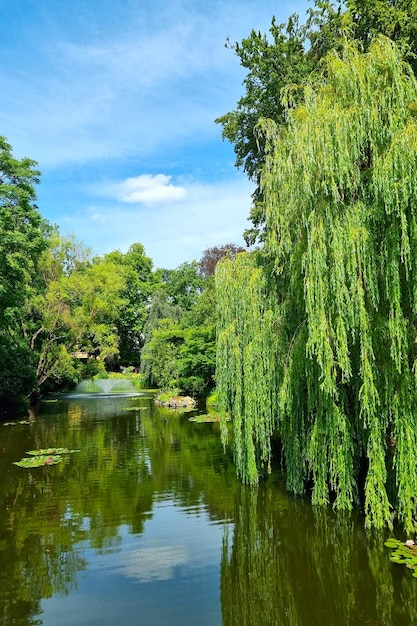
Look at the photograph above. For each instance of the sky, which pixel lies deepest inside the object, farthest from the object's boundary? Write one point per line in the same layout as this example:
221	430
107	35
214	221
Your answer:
116	101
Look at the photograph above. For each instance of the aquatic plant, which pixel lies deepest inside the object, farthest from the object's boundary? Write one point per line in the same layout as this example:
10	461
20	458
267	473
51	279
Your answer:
53	451
208	417
404	553
43	457
39	461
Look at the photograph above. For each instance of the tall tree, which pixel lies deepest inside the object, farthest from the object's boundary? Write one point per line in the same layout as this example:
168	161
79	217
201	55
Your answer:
140	282
272	62
184	284
73	312
340	197
280	61
22	230
23	237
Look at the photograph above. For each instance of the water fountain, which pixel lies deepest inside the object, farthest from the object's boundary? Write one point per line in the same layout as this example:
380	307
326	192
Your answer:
106	386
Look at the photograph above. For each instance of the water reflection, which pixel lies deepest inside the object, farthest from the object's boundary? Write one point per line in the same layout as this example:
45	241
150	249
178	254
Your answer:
132	505
148	519
287	563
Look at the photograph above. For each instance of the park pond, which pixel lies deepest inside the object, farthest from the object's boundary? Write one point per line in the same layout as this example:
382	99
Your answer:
144	522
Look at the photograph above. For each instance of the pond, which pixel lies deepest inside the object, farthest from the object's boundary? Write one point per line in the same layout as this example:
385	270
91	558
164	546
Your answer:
146	524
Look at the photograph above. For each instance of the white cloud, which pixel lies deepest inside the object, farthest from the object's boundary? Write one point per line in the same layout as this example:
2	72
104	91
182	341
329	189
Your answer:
148	189
208	214
150	564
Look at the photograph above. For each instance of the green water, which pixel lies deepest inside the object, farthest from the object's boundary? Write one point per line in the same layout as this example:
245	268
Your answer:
147	525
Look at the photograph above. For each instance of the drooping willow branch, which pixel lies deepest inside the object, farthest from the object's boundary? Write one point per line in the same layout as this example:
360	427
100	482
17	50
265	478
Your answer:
340	195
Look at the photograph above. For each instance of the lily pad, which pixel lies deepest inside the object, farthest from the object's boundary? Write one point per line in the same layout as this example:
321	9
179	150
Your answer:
210	417
39	461
50	451
135	408
405	553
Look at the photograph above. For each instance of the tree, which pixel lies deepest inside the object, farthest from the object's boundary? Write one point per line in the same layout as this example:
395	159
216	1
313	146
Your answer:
341	239
23	237
160	354
397	19
212	256
161	313
140	282
183	284
247	361
197	354
271	66
179	349
73	314
279	63
22	230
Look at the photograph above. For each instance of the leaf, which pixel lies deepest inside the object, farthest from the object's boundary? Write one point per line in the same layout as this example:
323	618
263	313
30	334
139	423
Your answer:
210	417
135	408
39	461
49	451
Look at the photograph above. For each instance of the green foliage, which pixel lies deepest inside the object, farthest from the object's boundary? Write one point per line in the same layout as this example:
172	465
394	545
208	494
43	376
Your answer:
212	400
397	20
281	61
140	283
179	348
22	230
160	354
17	374
405	553
73	314
247	361
340	190
23	236
183	285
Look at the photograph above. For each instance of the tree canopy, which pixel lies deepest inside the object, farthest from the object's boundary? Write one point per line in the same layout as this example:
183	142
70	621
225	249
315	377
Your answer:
23	237
282	60
340	197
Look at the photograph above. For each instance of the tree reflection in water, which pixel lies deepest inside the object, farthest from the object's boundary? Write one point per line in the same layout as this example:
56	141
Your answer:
288	563
282	562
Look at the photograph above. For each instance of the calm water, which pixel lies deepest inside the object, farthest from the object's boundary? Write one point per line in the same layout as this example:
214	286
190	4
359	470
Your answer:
147	525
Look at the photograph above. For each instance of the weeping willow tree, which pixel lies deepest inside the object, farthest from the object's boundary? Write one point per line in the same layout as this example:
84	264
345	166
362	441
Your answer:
340	190
246	360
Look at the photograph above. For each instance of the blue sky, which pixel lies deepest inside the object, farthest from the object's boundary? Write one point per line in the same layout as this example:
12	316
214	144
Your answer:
116	101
